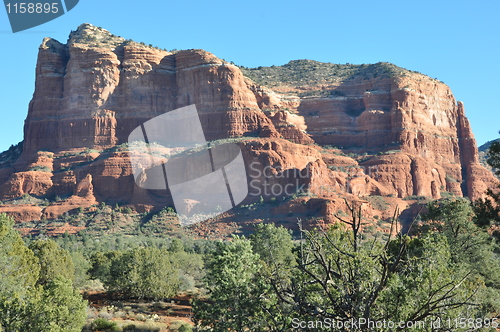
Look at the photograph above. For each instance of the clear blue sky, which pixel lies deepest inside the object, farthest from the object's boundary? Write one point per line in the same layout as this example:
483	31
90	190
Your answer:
454	41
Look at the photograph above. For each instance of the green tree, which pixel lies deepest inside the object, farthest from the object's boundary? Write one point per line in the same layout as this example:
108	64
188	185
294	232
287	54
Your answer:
340	276
143	273
276	250
487	209
234	287
19	273
494	157
19	264
471	247
176	245
426	285
82	266
275	247
29	301
58	307
190	267
454	219
101	265
54	261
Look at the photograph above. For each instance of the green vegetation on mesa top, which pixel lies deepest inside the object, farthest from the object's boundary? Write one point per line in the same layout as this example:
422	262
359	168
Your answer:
310	72
94	36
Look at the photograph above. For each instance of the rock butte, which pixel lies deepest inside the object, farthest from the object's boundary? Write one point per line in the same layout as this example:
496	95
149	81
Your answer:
93	91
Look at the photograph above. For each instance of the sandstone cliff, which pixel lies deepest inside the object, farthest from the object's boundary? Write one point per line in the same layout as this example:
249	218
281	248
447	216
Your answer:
334	130
380	108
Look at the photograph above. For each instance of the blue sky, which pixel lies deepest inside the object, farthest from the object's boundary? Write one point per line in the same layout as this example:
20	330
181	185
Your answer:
454	41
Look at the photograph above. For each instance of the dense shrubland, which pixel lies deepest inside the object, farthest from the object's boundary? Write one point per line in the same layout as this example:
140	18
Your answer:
445	269
36	285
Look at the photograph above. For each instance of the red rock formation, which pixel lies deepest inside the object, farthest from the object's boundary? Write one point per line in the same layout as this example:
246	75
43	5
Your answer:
32	183
22	212
413	113
93	91
83	196
93	97
291	127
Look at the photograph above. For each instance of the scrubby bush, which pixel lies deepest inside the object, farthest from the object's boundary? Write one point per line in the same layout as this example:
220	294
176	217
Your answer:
180	326
101	324
144	327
